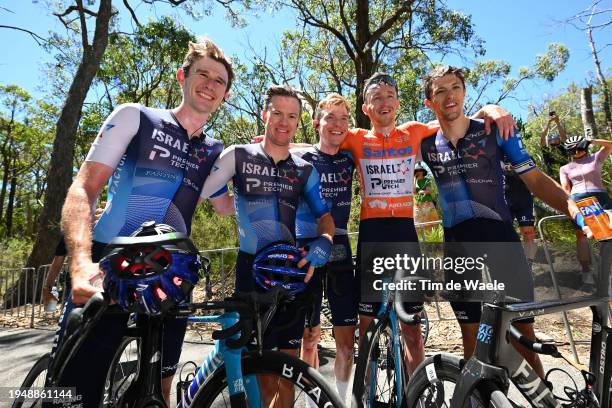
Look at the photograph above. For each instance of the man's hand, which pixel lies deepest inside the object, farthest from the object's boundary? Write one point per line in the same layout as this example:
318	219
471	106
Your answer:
86	281
502	118
318	255
257	139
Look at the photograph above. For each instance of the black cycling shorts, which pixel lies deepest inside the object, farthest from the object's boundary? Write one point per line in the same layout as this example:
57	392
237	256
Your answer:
486	230
385	230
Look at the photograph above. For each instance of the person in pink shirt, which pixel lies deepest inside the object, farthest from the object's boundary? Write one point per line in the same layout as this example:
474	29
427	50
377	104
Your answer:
581	178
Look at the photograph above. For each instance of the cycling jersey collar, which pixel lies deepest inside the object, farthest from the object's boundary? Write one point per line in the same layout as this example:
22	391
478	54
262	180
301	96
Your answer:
271	159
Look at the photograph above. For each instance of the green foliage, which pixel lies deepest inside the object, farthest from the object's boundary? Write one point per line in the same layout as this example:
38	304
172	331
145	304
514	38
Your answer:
14	252
142	67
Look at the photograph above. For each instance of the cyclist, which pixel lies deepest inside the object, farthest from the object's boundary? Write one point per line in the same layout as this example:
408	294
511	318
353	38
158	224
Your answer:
269	182
385	157
335	168
520	203
581	178
465	163
156	162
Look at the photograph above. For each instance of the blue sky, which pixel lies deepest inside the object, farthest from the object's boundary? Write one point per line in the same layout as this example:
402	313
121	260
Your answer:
515	31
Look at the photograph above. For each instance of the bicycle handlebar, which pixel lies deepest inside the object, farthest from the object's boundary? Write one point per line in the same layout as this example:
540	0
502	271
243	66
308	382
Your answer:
540	348
248	305
398	302
79	323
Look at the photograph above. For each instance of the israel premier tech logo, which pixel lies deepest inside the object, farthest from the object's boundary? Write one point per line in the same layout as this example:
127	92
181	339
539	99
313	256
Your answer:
392	152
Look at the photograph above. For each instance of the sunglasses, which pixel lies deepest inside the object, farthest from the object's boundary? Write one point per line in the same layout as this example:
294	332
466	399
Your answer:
381	79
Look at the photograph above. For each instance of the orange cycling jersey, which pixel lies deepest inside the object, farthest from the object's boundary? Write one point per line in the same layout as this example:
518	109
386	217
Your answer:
386	168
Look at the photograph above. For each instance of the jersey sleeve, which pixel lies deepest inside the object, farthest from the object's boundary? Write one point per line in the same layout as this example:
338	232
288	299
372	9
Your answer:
514	149
312	195
116	133
563	178
419	130
222	172
349	144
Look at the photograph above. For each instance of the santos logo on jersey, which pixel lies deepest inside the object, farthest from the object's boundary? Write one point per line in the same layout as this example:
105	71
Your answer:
392	152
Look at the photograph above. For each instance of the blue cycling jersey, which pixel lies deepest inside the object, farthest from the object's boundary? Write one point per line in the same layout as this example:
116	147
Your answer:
158	174
266	193
336	177
469	176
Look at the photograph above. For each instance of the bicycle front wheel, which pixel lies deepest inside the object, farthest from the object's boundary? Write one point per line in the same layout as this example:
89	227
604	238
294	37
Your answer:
35	379
122	371
283	369
433	383
375	373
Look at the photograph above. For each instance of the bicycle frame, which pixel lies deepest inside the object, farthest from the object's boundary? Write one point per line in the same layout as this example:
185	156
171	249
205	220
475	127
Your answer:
237	384
387	311
495	357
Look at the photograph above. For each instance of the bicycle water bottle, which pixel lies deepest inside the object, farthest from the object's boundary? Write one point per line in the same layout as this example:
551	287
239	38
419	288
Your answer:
52	304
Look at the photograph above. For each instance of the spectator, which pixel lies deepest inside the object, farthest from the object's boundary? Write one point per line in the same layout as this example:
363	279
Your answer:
581	178
425	208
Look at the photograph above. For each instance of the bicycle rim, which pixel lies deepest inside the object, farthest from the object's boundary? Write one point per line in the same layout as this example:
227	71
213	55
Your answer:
281	369
122	372
35	378
375	375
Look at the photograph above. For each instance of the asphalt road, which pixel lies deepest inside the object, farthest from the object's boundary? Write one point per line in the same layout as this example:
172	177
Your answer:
20	348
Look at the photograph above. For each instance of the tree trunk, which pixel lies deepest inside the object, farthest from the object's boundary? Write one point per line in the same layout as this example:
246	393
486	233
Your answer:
602	81
62	157
363	59
6	169
586	110
10	206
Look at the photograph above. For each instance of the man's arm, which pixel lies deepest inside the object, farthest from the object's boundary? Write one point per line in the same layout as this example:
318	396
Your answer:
76	224
561	129
547	189
222	172
502	118
223	204
543	141
326	227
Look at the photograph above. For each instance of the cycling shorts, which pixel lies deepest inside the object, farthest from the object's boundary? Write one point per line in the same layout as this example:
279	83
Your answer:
486	230
88	368
523	212
384	230
287	325
341	289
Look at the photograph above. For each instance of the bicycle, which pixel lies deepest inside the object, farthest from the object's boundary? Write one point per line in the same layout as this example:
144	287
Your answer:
377	381
483	380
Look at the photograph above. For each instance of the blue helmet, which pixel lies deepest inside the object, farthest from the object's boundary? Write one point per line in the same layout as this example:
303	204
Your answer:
152	270
276	265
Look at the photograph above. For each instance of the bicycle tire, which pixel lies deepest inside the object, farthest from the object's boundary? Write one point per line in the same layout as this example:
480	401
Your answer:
36	377
122	371
433	383
424	326
377	346
305	379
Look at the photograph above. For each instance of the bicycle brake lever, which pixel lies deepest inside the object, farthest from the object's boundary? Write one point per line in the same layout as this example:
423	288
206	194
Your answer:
245	335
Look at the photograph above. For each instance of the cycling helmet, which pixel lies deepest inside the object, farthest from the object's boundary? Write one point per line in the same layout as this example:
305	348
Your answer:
576	143
152	270
276	264
420	167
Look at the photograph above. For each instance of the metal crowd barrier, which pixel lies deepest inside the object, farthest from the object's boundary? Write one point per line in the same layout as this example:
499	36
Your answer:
222	282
